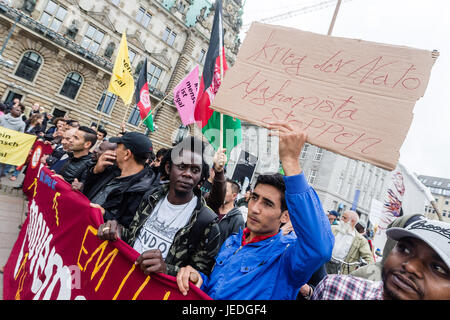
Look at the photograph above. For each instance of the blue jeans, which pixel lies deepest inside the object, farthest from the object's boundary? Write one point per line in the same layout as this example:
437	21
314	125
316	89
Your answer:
16	172
5	168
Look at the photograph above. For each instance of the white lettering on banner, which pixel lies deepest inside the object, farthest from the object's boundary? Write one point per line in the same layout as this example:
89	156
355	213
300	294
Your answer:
44	260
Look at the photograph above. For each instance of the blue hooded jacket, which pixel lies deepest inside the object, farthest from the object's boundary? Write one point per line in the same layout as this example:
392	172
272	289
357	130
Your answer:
275	268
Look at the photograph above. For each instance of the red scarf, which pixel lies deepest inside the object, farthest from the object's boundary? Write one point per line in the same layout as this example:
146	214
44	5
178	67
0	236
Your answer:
246	233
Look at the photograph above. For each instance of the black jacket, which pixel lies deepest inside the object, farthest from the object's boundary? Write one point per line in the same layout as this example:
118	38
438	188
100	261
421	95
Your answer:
34	131
57	154
76	168
231	223
95	182
122	203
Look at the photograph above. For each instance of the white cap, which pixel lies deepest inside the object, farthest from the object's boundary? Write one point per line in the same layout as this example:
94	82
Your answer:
435	233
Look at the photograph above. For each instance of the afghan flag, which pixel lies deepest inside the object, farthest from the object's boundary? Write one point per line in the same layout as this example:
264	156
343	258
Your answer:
142	96
207	119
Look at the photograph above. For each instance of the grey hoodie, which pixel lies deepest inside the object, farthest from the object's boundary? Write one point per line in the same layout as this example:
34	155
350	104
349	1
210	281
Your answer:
231	223
9	122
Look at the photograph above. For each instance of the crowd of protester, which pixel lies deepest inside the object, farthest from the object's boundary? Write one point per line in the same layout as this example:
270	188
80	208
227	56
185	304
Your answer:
187	220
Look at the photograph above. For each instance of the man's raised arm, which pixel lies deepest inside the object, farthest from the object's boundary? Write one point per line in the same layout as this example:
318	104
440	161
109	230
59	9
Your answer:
314	237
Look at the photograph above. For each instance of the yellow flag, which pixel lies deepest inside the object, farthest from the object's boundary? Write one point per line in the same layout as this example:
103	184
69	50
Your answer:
14	146
122	82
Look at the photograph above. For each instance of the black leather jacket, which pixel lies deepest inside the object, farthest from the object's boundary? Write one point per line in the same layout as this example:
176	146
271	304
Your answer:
122	202
76	168
56	155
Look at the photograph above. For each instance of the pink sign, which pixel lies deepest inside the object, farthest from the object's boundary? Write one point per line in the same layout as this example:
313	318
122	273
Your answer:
184	96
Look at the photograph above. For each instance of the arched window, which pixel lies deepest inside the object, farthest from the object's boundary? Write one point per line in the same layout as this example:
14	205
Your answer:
71	85
29	66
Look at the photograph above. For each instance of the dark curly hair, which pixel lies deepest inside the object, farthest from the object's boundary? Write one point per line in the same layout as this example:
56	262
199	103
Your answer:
189	143
275	180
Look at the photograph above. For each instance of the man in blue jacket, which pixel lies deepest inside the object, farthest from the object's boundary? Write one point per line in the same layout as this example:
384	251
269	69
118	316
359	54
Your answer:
260	263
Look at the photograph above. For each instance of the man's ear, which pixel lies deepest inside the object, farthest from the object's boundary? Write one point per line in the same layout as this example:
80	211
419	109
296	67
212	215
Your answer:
128	154
284	217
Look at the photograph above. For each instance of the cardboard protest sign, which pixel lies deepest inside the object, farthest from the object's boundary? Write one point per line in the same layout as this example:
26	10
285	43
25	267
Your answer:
59	256
352	97
244	168
14	146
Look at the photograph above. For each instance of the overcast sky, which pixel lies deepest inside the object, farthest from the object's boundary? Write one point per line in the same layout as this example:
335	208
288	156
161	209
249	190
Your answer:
414	23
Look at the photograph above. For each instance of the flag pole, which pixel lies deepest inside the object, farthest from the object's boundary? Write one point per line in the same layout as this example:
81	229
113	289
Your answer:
154	109
221	50
221	114
125	115
330	29
128	107
438	213
424	189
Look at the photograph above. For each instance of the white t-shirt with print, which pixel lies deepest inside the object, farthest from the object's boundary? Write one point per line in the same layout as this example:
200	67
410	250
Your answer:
161	227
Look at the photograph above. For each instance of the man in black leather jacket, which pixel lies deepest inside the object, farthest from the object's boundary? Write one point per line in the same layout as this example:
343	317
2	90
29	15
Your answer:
80	160
120	178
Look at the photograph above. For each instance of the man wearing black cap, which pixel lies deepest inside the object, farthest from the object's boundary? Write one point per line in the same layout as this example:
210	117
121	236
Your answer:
117	183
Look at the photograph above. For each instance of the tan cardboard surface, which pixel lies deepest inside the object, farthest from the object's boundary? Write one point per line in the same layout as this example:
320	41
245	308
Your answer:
352	97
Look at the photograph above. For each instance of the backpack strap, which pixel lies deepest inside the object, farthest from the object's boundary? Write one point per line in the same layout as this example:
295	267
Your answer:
204	218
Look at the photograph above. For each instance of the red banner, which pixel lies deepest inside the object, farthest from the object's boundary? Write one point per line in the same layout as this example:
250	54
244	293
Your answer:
58	255
39	149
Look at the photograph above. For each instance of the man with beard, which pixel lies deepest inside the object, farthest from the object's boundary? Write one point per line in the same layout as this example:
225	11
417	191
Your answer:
418	268
173	227
80	160
350	246
373	271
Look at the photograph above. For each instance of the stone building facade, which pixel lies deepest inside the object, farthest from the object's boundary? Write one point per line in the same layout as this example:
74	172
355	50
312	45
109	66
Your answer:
60	54
340	181
440	189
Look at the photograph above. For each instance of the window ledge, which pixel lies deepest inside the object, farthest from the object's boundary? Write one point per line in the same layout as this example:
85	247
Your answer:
98	112
23	80
66	98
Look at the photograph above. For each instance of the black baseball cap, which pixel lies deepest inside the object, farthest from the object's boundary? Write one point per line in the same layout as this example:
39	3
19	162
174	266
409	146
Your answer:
137	142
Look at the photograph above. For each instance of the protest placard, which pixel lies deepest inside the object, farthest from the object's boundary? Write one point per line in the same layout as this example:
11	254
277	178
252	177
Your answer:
352	97
14	146
184	96
244	168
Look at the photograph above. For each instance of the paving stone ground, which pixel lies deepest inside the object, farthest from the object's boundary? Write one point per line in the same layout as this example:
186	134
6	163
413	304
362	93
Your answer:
13	208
